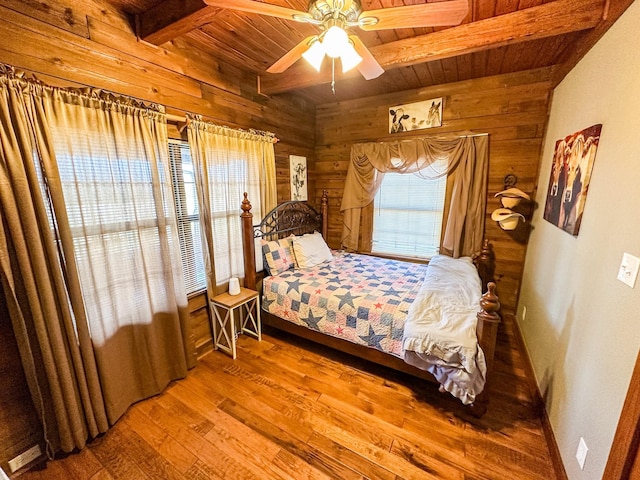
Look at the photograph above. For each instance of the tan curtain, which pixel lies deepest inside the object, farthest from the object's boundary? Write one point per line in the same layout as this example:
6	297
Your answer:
229	162
47	318
468	156
117	321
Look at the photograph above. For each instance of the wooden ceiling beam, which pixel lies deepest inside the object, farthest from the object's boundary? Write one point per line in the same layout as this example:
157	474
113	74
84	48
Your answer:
613	10
547	20
173	18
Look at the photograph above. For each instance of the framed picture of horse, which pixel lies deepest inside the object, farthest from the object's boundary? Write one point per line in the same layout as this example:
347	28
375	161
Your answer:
415	116
573	160
298	176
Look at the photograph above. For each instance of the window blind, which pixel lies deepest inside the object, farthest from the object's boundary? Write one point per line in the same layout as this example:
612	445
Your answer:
115	200
408	215
186	199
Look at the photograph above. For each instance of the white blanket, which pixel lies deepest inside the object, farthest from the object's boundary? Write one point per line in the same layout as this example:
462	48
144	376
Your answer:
440	331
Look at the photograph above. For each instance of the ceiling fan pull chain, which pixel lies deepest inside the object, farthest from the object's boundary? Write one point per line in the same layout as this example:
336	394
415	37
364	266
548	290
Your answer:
333	75
338	5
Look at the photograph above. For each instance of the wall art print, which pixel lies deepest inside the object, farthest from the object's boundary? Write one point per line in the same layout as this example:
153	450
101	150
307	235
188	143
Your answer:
415	116
573	160
298	174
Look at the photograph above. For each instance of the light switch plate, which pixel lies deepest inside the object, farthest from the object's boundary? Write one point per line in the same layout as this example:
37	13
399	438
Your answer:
581	454
629	269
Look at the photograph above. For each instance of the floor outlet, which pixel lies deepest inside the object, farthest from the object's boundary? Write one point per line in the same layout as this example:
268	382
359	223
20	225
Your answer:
581	454
24	458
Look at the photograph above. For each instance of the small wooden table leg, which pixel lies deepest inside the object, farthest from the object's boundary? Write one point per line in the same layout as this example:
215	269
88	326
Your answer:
254	328
225	330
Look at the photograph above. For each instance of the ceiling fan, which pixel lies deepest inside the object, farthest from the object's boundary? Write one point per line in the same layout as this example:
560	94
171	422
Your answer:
334	17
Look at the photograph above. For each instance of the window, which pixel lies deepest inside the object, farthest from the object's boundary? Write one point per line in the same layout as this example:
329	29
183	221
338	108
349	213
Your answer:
117	199
233	175
408	214
186	199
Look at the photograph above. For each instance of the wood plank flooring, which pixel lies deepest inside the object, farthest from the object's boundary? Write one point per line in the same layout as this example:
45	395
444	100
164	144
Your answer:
288	409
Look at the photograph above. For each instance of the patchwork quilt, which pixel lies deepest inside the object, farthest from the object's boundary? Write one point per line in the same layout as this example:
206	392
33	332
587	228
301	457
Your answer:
359	298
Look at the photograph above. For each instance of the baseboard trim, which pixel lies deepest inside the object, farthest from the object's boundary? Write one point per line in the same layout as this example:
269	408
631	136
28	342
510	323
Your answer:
552	444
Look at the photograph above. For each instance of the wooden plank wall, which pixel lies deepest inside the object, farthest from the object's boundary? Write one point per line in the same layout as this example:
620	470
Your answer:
86	43
201	326
512	109
82	42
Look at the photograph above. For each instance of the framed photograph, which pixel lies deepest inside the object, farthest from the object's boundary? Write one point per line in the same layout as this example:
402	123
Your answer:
415	116
298	174
573	160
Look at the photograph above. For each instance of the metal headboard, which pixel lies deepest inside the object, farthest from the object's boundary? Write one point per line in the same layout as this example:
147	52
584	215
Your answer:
289	218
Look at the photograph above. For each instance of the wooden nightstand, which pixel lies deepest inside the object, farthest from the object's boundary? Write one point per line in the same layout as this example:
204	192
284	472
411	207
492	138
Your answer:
224	308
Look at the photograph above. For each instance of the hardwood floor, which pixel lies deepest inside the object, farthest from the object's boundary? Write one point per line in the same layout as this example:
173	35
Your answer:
290	409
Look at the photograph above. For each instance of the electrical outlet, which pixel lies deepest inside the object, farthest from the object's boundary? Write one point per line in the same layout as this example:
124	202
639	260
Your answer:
629	269
24	458
581	454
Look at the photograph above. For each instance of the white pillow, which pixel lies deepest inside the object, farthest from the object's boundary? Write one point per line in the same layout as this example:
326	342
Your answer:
259	254
311	250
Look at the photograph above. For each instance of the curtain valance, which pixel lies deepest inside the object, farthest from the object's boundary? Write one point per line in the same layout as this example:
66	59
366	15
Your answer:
468	156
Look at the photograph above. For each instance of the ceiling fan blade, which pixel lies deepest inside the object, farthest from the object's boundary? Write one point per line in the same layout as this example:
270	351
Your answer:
369	66
436	14
260	8
292	55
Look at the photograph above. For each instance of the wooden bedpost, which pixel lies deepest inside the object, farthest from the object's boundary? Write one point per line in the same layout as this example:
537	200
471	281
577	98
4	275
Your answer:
248	245
486	264
324	208
487	330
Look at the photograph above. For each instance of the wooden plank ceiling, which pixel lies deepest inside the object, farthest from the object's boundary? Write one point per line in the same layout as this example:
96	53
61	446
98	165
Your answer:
496	37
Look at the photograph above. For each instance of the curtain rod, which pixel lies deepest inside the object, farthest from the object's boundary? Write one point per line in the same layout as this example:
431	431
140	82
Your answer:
176	118
475	135
437	137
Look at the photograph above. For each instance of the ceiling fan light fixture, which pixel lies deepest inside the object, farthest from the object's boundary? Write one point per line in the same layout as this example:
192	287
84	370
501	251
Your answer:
315	55
335	41
349	58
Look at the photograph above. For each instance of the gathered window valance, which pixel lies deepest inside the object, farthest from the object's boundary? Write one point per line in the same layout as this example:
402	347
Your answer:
467	156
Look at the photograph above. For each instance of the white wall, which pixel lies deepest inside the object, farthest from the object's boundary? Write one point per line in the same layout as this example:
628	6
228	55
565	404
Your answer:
582	327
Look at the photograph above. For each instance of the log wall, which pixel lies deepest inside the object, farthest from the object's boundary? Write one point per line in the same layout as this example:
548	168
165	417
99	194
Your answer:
512	109
87	43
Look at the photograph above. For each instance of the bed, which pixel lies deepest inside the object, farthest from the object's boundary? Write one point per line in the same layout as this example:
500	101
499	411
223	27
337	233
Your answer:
376	308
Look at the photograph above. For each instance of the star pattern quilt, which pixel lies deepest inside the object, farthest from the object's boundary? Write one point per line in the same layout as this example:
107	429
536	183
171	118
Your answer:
360	298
